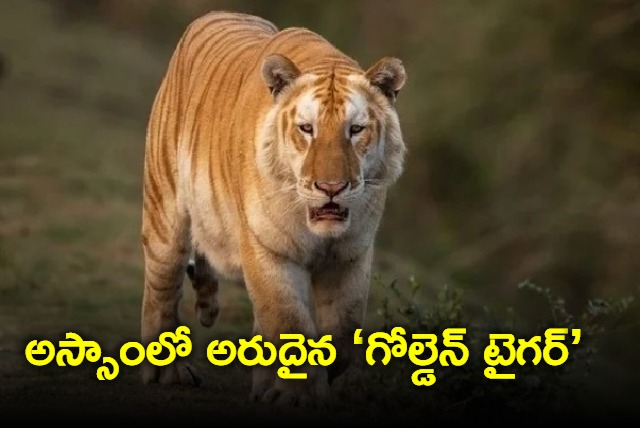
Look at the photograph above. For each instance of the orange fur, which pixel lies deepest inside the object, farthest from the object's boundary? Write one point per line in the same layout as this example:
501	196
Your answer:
254	134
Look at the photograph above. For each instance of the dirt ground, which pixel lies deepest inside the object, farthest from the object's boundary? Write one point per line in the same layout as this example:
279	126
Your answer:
66	393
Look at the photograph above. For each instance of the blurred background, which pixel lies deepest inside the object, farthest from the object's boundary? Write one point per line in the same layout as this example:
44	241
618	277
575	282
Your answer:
522	120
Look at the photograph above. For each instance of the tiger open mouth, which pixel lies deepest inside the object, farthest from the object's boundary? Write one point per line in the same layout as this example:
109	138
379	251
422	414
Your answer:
329	211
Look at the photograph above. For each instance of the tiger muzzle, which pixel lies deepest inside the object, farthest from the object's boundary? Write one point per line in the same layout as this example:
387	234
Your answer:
331	211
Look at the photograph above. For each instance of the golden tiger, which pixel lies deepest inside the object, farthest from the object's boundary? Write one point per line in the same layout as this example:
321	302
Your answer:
268	158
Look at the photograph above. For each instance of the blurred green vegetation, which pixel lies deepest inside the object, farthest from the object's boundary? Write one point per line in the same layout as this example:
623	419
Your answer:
522	120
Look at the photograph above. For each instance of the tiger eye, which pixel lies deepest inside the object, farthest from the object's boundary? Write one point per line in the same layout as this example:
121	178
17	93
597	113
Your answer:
355	129
306	128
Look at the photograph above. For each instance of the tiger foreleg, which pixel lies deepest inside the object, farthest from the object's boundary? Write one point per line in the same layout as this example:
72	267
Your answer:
280	293
340	294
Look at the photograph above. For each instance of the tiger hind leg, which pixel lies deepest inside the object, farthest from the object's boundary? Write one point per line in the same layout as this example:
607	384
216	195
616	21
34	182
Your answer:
205	284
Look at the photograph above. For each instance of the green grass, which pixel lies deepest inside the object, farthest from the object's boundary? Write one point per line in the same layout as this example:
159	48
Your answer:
73	117
70	165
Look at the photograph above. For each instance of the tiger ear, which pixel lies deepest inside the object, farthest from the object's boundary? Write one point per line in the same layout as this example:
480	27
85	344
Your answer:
388	75
278	72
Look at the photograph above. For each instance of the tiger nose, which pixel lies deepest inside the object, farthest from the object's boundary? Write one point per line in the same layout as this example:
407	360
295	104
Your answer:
331	188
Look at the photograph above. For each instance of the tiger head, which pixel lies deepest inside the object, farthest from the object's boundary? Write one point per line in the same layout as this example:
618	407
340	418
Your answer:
333	135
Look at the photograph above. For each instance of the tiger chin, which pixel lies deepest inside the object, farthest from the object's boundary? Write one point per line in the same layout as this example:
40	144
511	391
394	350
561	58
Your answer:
269	155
